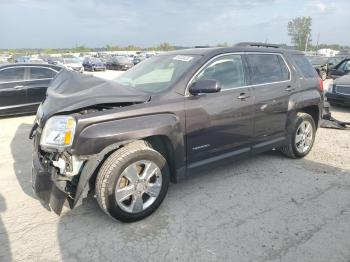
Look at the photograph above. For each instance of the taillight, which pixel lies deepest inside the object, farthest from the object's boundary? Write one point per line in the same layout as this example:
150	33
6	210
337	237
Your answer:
321	85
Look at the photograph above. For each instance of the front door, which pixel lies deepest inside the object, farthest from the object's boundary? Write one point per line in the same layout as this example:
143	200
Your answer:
219	125
12	90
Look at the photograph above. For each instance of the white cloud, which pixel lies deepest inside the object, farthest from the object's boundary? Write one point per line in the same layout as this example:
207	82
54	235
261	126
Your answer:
319	5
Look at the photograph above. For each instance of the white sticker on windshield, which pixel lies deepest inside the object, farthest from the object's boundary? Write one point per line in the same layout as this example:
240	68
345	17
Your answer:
184	58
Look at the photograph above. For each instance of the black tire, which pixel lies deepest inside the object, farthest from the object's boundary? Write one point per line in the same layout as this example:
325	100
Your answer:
291	150
112	169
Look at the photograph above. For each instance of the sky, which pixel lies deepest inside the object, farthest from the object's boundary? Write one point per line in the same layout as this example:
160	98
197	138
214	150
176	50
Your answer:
96	23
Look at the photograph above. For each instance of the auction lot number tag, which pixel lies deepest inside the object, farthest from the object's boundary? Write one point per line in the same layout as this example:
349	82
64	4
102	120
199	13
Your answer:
184	58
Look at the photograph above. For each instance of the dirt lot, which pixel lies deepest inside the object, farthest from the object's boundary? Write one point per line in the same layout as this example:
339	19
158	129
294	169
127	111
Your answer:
266	208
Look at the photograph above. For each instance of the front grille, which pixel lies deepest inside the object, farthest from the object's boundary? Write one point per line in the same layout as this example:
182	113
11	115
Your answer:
345	90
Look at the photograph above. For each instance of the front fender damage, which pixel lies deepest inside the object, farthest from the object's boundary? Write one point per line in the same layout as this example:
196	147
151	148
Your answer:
55	189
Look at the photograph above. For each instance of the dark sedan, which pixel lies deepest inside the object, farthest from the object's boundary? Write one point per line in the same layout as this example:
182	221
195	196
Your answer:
340	92
343	68
119	63
94	64
323	65
23	86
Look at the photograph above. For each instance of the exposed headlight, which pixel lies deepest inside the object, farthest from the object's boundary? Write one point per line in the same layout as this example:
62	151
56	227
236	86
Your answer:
58	132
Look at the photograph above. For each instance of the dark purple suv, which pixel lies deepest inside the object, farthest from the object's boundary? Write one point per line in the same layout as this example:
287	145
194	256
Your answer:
127	139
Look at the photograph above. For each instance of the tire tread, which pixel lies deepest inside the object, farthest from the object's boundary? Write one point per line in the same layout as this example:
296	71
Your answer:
107	167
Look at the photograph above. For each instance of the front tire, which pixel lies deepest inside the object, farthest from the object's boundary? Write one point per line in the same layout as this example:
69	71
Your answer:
301	138
132	182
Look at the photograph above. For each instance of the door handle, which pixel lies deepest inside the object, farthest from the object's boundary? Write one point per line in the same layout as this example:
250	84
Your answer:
290	89
18	87
243	96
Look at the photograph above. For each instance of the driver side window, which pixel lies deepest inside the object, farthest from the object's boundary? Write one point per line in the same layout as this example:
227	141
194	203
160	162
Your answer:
345	66
228	70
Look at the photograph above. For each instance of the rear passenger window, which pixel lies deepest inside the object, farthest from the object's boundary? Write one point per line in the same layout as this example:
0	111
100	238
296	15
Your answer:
304	65
227	70
41	73
267	68
12	75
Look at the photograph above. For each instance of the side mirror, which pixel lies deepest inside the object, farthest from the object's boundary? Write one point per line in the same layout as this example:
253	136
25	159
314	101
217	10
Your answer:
204	87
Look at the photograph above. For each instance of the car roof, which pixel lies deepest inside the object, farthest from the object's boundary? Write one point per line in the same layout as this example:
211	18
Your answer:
56	67
221	50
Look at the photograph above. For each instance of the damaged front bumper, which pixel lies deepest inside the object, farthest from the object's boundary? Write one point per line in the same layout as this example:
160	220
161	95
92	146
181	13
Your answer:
44	187
54	187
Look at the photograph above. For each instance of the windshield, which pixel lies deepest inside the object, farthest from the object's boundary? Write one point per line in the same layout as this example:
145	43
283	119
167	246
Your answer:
318	60
157	73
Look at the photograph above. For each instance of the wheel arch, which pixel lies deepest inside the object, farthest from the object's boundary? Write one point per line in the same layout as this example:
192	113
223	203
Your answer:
312	111
163	145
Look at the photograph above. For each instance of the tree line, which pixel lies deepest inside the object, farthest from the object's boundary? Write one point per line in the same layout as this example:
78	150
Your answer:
299	29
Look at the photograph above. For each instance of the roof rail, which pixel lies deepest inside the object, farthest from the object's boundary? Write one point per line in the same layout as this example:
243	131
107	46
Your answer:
257	44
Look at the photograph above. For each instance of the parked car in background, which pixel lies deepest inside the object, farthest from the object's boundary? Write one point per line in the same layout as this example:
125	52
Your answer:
35	60
94	64
343	54
131	57
54	60
339	94
126	140
17	58
23	86
323	65
4	58
119	63
332	62
72	63
343	68
137	59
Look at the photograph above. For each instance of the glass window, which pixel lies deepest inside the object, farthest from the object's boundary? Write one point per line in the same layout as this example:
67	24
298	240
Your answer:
227	70
12	74
345	66
267	68
41	73
157	73
304	65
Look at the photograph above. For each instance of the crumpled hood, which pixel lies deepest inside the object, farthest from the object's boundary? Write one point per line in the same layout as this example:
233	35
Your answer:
344	80
70	91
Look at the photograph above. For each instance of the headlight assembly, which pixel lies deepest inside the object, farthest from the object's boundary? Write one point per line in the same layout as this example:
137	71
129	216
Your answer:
58	132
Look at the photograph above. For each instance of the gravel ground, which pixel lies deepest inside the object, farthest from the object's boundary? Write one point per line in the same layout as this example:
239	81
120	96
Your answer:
265	208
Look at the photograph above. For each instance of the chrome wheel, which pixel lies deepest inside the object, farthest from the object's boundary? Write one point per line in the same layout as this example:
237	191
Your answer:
138	186
304	137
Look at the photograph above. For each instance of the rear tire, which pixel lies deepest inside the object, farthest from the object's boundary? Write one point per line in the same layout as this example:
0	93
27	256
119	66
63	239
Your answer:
130	196
301	138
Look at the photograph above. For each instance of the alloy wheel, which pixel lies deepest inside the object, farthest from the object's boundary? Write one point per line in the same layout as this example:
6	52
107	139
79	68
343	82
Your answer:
138	186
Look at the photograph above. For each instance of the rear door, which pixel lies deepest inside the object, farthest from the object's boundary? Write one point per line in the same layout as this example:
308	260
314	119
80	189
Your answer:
12	90
219	125
39	79
272	85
